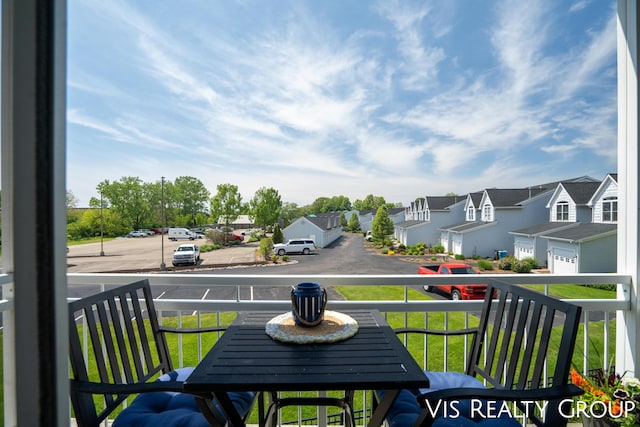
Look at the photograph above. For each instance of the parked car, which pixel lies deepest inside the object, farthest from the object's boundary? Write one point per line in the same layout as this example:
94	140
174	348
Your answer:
148	232
457	292
137	233
303	246
187	253
236	237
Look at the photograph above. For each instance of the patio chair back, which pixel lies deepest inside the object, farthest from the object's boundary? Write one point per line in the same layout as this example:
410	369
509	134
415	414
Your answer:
519	331
123	345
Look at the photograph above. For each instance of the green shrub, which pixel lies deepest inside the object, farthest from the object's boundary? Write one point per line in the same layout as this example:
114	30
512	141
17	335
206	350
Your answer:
460	257
209	247
215	237
384	251
533	263
278	236
274	258
484	264
521	267
285	258
266	246
418	249
506	263
438	249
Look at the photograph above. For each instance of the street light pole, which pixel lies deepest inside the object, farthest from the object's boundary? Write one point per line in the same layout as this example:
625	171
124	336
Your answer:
162	264
101	226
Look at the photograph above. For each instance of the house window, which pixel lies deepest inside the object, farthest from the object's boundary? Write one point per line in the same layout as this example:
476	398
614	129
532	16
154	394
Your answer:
471	213
610	209
487	213
562	211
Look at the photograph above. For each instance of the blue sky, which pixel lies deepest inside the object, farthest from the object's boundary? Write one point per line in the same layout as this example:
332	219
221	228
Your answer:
400	99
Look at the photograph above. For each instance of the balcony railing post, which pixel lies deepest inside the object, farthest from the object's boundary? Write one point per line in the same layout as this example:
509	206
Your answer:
628	330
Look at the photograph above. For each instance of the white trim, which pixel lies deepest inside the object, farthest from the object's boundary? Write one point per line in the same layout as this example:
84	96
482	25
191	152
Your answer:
627	331
33	153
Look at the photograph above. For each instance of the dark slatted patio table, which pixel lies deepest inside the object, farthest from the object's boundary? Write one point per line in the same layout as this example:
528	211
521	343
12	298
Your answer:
247	359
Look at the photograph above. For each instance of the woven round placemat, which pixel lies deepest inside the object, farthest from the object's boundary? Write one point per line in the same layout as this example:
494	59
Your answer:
335	327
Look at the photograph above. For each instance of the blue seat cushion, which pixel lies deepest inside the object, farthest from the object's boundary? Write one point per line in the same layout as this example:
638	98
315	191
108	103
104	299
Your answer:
405	410
173	409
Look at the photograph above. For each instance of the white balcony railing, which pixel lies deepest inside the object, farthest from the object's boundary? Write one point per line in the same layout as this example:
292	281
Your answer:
598	313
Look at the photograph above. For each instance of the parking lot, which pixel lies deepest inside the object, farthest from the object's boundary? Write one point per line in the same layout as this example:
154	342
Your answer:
347	255
146	253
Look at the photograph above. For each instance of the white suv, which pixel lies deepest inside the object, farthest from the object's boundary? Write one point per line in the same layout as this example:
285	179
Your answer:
304	246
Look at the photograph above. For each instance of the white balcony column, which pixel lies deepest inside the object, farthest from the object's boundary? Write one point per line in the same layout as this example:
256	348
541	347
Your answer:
628	323
35	334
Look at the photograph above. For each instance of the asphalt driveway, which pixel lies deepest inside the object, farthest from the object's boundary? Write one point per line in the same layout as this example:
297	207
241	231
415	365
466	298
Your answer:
347	255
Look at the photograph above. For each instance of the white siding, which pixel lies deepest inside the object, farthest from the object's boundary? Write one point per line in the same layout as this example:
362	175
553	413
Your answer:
610	191
562	197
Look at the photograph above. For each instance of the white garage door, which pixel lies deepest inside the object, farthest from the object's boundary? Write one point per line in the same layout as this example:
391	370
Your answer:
444	240
564	262
457	245
524	250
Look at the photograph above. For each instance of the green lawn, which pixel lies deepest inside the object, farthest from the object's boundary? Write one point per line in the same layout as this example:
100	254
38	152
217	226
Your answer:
90	240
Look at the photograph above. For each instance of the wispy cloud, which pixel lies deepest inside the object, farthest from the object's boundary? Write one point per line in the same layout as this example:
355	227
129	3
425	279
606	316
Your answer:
393	91
420	60
579	5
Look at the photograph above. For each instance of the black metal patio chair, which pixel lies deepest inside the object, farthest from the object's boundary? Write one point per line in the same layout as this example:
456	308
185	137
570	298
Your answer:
520	331
127	354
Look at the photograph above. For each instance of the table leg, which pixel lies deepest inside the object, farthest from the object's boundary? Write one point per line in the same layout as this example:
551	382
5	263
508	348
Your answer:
380	412
208	409
233	417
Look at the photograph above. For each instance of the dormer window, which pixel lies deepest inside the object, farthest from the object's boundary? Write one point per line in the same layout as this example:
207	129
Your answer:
562	211
487	213
471	213
610	209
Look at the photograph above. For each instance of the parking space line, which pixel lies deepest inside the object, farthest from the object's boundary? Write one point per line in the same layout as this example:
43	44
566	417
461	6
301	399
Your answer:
203	298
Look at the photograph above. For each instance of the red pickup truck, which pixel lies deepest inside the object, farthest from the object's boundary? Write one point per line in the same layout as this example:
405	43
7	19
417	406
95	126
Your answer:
457	292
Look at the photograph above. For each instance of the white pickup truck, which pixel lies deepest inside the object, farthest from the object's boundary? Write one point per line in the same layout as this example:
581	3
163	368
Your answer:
187	253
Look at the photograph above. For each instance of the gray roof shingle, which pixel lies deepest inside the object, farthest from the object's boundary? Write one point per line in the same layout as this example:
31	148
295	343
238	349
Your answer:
545	228
443	202
583	232
581	192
